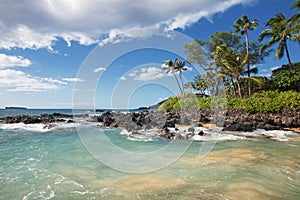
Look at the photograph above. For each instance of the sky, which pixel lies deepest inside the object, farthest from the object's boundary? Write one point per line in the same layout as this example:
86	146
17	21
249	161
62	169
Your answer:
109	54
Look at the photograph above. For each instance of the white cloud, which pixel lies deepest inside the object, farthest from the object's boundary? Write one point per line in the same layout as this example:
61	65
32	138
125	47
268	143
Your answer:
73	79
99	69
133	73
13	61
22	36
145	74
51	80
266	75
188	68
264	70
39	24
123	78
18	81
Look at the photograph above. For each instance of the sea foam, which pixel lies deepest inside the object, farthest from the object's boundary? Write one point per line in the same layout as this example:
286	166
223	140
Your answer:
46	127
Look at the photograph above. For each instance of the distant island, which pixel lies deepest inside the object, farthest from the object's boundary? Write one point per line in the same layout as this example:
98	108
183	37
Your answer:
15	108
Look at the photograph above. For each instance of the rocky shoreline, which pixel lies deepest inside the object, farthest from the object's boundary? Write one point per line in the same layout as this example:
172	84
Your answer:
226	120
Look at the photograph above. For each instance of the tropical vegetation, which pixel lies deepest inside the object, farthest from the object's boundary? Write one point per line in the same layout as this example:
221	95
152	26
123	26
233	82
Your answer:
229	65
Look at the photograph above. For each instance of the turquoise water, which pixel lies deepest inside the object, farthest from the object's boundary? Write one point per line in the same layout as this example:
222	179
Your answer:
56	165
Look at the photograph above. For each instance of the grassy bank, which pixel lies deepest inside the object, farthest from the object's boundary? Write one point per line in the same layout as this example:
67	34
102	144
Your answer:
264	102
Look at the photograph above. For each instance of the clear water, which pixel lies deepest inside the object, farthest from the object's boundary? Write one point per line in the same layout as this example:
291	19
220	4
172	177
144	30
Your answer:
55	165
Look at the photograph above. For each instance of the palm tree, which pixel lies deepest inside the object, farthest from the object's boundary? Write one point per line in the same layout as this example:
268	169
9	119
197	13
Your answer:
231	63
295	19
199	83
280	31
243	25
176	67
296	5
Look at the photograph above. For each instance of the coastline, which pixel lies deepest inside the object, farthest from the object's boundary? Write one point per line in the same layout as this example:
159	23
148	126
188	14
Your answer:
167	124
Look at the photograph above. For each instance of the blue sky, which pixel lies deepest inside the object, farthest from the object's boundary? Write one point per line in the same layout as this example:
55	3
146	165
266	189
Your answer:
60	53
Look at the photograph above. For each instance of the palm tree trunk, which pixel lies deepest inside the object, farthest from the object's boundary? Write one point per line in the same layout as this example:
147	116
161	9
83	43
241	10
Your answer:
239	87
234	89
180	76
178	83
288	56
248	64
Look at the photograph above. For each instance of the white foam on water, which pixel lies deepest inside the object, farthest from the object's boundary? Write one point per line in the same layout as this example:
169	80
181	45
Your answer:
279	135
139	137
59	179
209	134
27	127
149	133
27	196
82	193
74	183
216	136
47	127
124	132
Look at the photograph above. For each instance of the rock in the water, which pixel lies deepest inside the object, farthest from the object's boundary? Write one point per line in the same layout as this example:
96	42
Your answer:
191	129
244	127
201	133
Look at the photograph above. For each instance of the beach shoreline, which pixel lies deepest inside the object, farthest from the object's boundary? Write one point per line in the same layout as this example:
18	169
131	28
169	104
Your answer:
180	125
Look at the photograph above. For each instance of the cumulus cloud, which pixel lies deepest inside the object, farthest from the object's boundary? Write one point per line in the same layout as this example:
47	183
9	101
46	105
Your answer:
18	81
145	74
38	24
99	69
73	79
13	61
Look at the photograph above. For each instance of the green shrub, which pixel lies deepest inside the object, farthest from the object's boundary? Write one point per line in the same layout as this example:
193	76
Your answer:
170	104
273	101
264	102
204	103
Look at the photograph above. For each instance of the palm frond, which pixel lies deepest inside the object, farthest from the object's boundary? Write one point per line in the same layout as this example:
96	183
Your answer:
295	37
280	49
296	5
265	34
292	29
294	19
266	46
259	82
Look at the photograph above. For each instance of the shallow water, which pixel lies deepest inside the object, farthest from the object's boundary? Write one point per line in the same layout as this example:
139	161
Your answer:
55	165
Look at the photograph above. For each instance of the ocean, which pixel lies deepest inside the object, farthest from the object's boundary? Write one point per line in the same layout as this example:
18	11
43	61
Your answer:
41	163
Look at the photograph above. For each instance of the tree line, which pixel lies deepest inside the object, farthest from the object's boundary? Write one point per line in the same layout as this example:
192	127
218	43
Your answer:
233	63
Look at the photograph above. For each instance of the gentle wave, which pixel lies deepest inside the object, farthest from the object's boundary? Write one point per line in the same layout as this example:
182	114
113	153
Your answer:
152	134
45	127
279	135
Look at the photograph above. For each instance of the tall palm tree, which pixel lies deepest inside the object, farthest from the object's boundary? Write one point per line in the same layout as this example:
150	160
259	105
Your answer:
176	67
231	63
280	31
243	25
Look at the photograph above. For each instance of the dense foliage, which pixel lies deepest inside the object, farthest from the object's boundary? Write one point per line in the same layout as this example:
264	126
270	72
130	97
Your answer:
229	65
264	102
228	59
